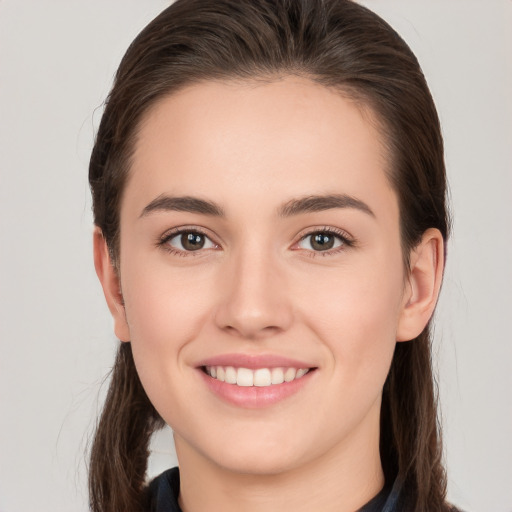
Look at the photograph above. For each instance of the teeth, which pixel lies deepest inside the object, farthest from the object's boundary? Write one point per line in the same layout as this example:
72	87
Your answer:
262	377
231	375
244	377
290	374
277	376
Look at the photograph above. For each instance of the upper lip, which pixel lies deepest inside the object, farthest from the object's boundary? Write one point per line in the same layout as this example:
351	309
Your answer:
253	361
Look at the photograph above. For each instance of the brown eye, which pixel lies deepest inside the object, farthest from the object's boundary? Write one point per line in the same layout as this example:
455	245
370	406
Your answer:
189	241
192	241
321	241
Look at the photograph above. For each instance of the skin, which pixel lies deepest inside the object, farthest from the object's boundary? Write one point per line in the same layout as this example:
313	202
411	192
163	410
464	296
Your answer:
259	287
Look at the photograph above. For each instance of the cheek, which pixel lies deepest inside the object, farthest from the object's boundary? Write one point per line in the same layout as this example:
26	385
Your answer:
164	302
356	314
165	311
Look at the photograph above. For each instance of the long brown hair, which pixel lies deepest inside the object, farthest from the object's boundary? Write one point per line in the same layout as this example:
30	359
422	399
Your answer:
339	44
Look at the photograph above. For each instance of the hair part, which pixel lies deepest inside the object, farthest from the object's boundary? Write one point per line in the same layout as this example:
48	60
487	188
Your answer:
335	43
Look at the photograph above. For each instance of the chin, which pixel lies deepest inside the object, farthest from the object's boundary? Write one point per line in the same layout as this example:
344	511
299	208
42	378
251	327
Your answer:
264	455
261	465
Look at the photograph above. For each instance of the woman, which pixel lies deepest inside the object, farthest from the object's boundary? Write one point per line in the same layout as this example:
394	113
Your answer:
269	195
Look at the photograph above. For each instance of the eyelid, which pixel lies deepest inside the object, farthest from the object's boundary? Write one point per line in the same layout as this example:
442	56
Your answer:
346	239
176	231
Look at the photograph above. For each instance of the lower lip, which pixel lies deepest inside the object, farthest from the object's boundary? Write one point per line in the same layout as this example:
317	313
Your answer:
254	397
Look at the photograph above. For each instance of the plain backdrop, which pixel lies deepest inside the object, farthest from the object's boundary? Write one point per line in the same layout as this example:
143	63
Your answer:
57	59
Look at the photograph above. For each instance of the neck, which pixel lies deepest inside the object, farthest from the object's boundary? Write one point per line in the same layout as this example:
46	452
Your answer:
341	480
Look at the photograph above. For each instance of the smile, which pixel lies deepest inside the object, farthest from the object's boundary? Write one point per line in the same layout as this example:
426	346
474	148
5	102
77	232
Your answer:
253	381
258	377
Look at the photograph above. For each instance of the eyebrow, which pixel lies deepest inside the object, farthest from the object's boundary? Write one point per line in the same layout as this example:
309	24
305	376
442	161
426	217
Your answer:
183	204
313	203
321	203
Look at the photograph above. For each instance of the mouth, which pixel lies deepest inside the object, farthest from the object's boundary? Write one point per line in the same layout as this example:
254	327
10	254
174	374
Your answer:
256	384
257	377
255	381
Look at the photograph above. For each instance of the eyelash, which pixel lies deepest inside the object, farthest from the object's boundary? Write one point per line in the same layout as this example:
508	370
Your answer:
346	241
163	242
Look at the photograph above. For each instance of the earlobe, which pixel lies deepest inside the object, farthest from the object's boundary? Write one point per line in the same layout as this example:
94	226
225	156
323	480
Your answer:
424	284
109	279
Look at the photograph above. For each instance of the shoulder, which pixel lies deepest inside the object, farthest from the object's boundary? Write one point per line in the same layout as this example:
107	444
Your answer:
402	498
163	492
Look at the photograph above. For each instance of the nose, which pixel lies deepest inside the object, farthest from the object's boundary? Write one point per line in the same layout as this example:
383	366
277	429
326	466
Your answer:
254	302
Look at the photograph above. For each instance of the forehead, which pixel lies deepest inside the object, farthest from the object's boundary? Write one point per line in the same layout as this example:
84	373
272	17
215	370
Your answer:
262	141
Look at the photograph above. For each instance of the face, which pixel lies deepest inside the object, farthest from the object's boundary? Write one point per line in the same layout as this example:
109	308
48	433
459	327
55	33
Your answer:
261	272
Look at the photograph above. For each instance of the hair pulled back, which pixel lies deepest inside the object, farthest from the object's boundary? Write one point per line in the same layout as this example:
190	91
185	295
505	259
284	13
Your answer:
336	43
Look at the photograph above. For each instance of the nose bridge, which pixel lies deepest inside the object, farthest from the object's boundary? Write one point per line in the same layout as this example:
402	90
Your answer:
254	300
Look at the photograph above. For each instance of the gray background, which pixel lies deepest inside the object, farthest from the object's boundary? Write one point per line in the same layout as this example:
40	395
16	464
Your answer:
57	59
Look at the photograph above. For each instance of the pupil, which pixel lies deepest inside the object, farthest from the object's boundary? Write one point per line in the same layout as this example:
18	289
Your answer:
192	241
322	242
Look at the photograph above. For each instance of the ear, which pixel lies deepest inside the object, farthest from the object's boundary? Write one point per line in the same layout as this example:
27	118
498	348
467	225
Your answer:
423	286
109	279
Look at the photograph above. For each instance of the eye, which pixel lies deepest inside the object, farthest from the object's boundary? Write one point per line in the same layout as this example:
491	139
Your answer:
189	241
321	241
